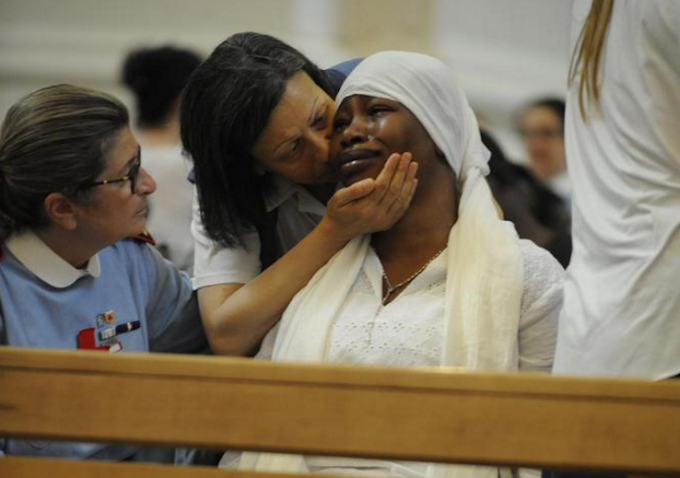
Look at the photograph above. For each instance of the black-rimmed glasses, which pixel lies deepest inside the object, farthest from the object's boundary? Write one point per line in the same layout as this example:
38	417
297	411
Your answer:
132	176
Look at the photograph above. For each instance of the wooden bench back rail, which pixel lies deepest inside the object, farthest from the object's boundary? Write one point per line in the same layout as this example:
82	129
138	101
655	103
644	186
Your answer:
434	415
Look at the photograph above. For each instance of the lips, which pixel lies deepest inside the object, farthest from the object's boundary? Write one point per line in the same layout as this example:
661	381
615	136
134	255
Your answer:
355	161
356	154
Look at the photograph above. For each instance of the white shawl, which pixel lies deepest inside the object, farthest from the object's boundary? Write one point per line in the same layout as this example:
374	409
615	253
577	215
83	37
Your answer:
485	269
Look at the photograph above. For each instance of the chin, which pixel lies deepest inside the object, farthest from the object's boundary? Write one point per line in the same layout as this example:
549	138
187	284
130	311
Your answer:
360	176
138	228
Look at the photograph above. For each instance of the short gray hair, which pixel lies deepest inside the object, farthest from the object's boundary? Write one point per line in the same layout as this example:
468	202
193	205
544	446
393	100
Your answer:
53	140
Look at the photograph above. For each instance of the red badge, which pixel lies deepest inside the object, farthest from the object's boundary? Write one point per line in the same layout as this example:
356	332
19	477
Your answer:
86	341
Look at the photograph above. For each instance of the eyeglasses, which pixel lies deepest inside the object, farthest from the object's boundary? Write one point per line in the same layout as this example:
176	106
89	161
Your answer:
132	176
540	134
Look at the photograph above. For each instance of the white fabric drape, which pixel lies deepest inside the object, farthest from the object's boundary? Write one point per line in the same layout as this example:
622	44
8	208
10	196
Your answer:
485	270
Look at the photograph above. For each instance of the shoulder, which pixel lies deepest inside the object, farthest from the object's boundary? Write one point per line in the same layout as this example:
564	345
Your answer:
136	252
543	277
346	67
337	74
143	264
131	248
215	264
539	265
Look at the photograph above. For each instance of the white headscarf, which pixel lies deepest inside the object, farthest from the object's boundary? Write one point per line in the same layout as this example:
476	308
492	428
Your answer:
485	270
427	87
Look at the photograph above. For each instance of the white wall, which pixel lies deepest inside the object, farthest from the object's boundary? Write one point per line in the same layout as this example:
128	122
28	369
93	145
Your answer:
504	51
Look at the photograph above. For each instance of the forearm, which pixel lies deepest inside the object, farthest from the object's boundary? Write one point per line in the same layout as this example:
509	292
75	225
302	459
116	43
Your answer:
237	316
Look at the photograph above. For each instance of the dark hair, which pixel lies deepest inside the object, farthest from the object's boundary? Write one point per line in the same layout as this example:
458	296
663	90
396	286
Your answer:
157	76
53	140
514	186
548	208
556	105
225	107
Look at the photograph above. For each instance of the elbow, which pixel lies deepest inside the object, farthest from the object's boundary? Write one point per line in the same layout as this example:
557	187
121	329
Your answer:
227	340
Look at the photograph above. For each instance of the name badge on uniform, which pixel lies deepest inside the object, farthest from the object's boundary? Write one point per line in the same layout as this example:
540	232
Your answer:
105	336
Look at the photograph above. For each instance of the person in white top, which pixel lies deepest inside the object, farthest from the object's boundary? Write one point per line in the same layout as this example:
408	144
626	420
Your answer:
621	312
256	118
157	76
450	284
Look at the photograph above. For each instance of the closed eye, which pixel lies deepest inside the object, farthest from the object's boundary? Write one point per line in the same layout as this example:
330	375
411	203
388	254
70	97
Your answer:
319	121
339	125
379	110
291	149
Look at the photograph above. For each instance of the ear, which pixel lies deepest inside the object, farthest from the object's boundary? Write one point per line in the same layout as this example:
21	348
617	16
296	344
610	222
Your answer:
61	210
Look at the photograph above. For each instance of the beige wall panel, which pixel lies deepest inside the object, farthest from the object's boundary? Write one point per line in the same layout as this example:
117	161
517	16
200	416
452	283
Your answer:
367	26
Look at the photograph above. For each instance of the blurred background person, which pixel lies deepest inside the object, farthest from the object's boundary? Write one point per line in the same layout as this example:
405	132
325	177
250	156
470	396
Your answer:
537	213
541	125
157	77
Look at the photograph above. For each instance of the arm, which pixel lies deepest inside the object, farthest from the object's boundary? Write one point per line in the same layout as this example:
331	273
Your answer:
173	319
236	316
541	306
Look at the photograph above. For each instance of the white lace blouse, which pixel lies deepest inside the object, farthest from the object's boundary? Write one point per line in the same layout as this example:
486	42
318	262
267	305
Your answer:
407	333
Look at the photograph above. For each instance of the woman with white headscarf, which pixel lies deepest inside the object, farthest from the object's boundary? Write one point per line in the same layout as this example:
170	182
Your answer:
449	285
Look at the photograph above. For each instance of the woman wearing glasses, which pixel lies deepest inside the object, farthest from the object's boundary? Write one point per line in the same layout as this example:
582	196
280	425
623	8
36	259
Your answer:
72	191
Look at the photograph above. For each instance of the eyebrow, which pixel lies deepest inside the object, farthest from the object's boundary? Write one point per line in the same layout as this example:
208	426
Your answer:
309	120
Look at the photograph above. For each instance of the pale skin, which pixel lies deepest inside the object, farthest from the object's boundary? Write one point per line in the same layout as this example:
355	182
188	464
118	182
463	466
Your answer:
237	316
544	141
77	231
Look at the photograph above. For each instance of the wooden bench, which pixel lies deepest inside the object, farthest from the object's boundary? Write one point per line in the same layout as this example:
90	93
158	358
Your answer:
434	415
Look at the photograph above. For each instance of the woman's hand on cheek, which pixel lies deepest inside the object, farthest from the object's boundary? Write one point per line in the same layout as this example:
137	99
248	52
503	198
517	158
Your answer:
373	205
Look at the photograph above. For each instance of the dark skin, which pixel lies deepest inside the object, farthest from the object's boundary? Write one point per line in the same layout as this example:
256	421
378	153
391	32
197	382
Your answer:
367	131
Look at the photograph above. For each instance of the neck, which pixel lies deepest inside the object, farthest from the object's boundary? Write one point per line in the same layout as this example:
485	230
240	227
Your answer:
68	245
423	230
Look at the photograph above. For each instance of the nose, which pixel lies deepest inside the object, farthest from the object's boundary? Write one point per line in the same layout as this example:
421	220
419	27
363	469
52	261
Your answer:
354	133
146	183
320	142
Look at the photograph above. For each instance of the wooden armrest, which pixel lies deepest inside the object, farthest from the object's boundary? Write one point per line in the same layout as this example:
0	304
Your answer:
439	416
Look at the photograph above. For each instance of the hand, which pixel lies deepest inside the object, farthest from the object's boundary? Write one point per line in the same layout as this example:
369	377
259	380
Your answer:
373	205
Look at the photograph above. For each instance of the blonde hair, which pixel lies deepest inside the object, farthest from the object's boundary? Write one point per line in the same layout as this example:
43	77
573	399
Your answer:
588	52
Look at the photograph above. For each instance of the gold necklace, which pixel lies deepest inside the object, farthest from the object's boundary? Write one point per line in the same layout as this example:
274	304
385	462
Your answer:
391	288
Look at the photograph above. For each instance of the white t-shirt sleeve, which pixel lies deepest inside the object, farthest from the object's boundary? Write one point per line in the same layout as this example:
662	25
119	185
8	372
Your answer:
215	264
